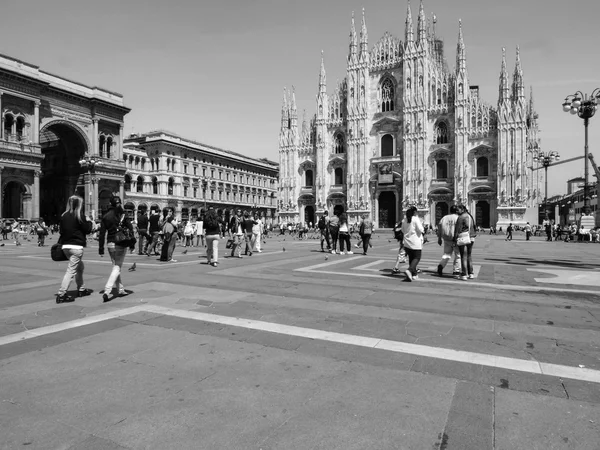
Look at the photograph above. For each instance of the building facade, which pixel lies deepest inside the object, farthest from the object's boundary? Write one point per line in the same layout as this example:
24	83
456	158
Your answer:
166	170
50	125
403	129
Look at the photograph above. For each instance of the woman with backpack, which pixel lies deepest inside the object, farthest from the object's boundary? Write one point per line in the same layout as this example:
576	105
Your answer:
212	227
74	226
412	228
112	227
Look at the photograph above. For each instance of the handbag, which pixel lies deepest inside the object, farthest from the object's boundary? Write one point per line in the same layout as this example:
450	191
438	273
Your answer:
229	243
124	236
56	252
464	238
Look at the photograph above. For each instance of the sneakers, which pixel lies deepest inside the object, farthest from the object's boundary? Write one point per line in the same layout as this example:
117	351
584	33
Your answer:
394	270
440	270
409	276
356	245
350	252
333	252
471	276
463	278
342	253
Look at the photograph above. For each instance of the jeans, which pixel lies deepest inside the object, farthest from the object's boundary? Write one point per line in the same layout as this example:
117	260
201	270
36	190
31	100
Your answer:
141	247
249	247
117	256
334	237
237	245
168	248
152	247
15	236
212	248
344	238
41	237
451	250
466	262
325	238
74	269
366	238
414	256
201	237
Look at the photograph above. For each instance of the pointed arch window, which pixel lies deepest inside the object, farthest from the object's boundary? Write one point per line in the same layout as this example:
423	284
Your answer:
101	145
154	185
339	176
20	127
387	145
441	133
308	178
9	120
170	186
127	184
387	95
339	143
482	167
140	184
109	143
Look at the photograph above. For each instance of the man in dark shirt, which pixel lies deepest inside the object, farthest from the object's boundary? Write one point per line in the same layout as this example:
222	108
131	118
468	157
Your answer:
247	225
142	224
154	230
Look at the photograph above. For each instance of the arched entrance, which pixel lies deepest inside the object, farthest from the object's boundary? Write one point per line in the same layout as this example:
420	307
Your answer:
338	209
441	210
12	200
482	214
309	214
387	209
63	145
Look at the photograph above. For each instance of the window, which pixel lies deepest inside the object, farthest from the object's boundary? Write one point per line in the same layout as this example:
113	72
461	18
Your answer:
308	178
387	145
195	192
441	168
441	133
127	183
339	176
387	95
154	186
109	143
185	168
170	186
20	127
195	170
212	173
339	143
185	191
8	123
204	171
101	145
482	167
140	184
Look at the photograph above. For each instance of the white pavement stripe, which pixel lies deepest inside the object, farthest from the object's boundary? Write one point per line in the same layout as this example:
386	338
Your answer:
575	373
369	265
433	279
36	332
521	365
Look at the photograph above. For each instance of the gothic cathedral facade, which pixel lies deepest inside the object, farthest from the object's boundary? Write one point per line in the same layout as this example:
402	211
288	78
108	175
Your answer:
403	129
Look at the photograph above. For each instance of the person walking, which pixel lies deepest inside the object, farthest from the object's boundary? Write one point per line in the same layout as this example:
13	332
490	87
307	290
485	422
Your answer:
169	232
257	230
143	236
527	231
509	232
323	226
445	233
114	219
200	231
42	231
365	231
464	237
344	235
74	227
237	233
399	236
212	225
247	225
334	230
154	228
413	241
16	231
188	233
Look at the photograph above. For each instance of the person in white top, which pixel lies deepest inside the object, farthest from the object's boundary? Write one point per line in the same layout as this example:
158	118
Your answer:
413	241
188	232
200	232
257	231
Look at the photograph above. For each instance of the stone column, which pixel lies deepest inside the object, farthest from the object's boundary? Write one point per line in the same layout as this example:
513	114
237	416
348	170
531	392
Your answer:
88	193
94	197
1	190
94	149
122	189
120	144
36	194
2	121
398	208
36	122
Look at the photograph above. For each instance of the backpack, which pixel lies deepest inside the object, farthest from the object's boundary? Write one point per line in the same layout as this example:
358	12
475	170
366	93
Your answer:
321	223
211	221
398	234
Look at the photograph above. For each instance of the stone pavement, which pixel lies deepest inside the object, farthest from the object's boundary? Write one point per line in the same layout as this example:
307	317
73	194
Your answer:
297	349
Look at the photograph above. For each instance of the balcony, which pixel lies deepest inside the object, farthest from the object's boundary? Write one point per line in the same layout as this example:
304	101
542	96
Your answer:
15	144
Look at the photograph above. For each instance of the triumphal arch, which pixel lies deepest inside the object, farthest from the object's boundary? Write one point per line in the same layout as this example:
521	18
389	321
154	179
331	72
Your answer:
58	137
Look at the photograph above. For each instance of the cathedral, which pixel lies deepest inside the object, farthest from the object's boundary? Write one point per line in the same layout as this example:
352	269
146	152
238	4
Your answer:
404	129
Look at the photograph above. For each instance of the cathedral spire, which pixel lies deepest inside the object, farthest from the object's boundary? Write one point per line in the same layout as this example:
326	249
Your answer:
284	111
353	41
504	94
531	105
461	54
322	77
364	50
293	113
518	87
409	26
421	26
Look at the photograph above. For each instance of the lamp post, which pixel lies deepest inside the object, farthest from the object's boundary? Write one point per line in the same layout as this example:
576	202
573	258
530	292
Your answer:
89	163
585	106
206	182
545	159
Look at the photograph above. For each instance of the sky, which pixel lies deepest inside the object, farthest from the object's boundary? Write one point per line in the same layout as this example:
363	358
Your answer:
214	71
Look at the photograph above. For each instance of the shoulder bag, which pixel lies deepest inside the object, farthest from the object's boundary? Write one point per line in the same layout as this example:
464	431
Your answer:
464	238
56	252
124	236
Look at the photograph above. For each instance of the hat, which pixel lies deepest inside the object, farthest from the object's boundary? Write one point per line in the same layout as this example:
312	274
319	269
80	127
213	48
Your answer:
114	201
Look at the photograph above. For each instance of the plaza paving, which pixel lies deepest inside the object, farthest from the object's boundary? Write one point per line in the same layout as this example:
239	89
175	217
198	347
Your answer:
296	349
